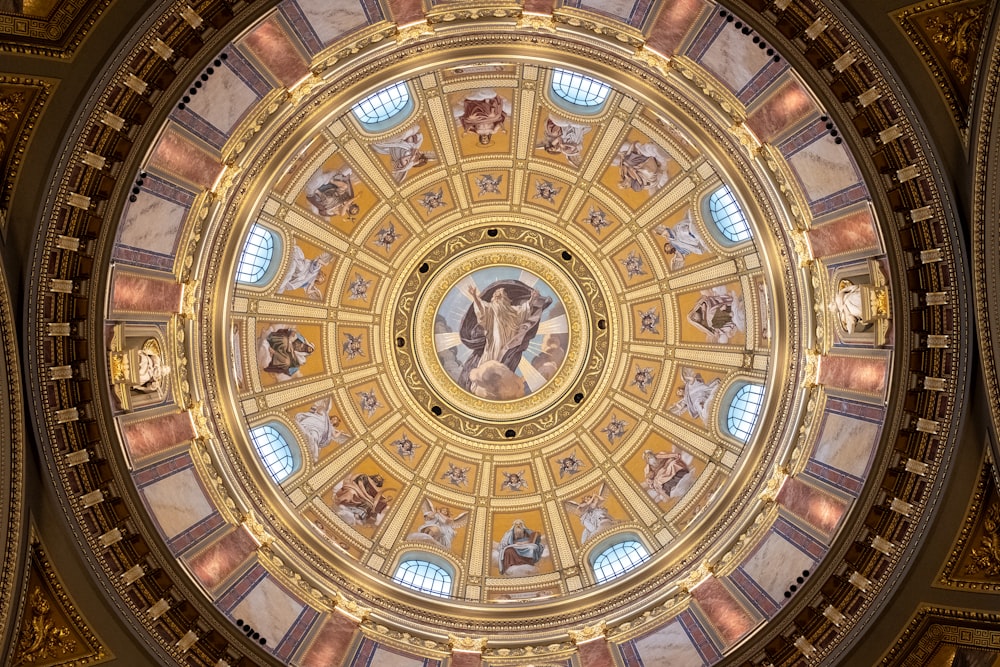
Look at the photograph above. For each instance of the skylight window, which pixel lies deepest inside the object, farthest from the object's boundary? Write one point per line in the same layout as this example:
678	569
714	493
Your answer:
618	559
424	577
579	89
383	104
744	409
274	452
256	256
728	216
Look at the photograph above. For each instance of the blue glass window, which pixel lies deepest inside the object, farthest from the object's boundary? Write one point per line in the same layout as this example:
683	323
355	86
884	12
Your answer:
728	216
383	104
274	451
618	559
424	577
579	89
744	409
256	256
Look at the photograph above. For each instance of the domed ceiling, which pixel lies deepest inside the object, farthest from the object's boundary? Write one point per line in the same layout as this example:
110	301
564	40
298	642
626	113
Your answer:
496	339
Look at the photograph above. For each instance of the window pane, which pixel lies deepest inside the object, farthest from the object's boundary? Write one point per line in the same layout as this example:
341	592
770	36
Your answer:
256	255
743	410
424	577
618	559
579	89
274	452
382	104
728	215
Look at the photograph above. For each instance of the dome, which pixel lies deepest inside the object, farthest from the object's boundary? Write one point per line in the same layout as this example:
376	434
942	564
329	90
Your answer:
498	335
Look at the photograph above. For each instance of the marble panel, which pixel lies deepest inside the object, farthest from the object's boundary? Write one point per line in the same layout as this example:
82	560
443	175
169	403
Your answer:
383	657
152	223
734	58
846	443
851	233
539	6
781	109
823	167
467	659
269	610
272	46
596	653
154	436
331	642
723	611
331	19
673	24
217	562
179	156
817	508
863	374
144	295
224	100
669	645
618	8
775	564
177	502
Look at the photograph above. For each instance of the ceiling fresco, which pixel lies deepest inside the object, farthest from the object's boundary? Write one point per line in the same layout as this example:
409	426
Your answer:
501	331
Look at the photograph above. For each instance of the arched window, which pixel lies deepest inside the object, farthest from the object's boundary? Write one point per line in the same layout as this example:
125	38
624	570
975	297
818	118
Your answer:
383	104
256	257
619	558
579	89
728	216
274	451
743	410
424	576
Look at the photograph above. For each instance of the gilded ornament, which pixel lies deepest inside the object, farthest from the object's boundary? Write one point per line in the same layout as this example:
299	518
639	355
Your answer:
959	32
985	558
42	638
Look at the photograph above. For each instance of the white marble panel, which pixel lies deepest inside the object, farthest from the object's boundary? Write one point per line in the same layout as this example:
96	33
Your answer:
177	501
223	100
269	610
823	168
734	57
669	645
619	8
383	658
332	18
846	443
775	565
152	223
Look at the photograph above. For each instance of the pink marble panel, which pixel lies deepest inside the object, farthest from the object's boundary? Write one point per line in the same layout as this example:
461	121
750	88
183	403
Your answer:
783	108
179	156
539	6
217	562
723	611
157	435
406	11
466	659
595	653
674	22
850	233
272	46
332	641
863	374
817	508
133	293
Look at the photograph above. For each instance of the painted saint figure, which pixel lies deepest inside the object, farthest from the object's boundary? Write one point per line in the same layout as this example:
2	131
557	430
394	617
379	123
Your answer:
664	471
695	395
439	526
682	239
361	500
519	546
305	273
332	193
641	166
498	326
565	138
593	515
320	427
719	314
484	114
283	350
405	153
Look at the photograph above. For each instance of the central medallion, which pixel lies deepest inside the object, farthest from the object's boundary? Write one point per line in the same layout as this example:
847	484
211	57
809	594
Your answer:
502	335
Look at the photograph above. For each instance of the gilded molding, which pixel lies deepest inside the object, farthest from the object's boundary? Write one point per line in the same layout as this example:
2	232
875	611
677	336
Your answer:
974	560
21	102
932	629
56	35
